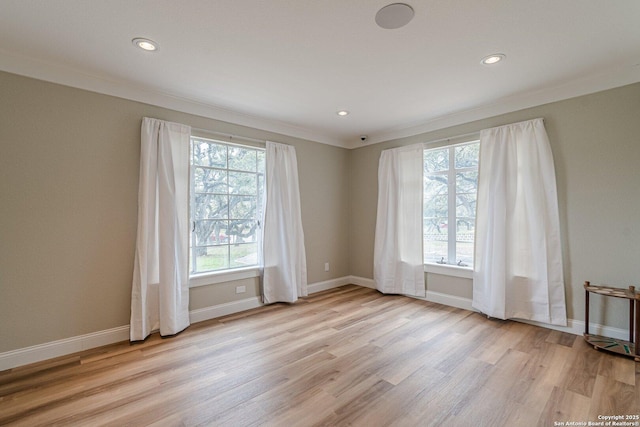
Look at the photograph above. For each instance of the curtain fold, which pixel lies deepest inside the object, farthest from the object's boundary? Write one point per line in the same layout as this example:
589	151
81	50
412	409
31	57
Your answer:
160	291
518	260
398	258
284	257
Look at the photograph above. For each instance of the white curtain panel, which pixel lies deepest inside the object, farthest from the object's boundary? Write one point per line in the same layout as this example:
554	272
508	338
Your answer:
160	291
398	260
284	257
518	259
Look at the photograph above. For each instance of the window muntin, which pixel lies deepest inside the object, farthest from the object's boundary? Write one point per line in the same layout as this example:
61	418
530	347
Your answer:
450	188
227	186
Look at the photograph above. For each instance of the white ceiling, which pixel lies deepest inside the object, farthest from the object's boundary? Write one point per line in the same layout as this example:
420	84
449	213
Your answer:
289	65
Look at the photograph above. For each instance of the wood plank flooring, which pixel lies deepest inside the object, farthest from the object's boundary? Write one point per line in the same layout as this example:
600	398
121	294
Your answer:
347	356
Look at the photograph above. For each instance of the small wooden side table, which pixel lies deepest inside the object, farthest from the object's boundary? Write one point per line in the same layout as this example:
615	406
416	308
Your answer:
629	348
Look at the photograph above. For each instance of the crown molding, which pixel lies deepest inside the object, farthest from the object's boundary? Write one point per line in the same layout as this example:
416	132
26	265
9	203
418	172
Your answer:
56	73
612	78
67	76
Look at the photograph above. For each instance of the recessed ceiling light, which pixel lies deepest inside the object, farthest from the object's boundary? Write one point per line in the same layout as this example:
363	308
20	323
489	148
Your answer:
493	58
395	15
342	113
145	44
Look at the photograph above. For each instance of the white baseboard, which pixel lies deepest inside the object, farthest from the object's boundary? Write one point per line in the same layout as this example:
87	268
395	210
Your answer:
49	350
362	281
40	352
328	284
438	297
575	327
225	309
450	300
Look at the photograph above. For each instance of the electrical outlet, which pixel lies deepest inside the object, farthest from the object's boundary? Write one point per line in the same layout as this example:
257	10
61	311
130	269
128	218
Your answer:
326	266
241	289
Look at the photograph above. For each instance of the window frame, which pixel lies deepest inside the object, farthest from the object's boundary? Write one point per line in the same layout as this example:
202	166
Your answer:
448	268
203	278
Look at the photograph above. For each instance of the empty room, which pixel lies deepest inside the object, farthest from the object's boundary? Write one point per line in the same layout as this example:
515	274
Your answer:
319	213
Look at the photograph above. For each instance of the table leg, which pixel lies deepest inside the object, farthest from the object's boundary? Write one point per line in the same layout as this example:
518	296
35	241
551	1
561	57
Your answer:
632	306
637	314
586	312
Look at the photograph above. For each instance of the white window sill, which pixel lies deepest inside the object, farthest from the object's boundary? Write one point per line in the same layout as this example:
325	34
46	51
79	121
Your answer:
214	277
449	270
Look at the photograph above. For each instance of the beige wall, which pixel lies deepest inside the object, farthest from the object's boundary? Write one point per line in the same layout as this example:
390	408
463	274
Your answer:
595	141
68	209
68	202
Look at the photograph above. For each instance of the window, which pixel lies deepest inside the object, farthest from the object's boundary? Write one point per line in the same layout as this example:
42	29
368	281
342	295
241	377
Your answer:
450	187
227	186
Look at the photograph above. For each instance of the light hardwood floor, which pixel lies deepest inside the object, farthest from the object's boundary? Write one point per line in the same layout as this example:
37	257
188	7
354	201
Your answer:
348	356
